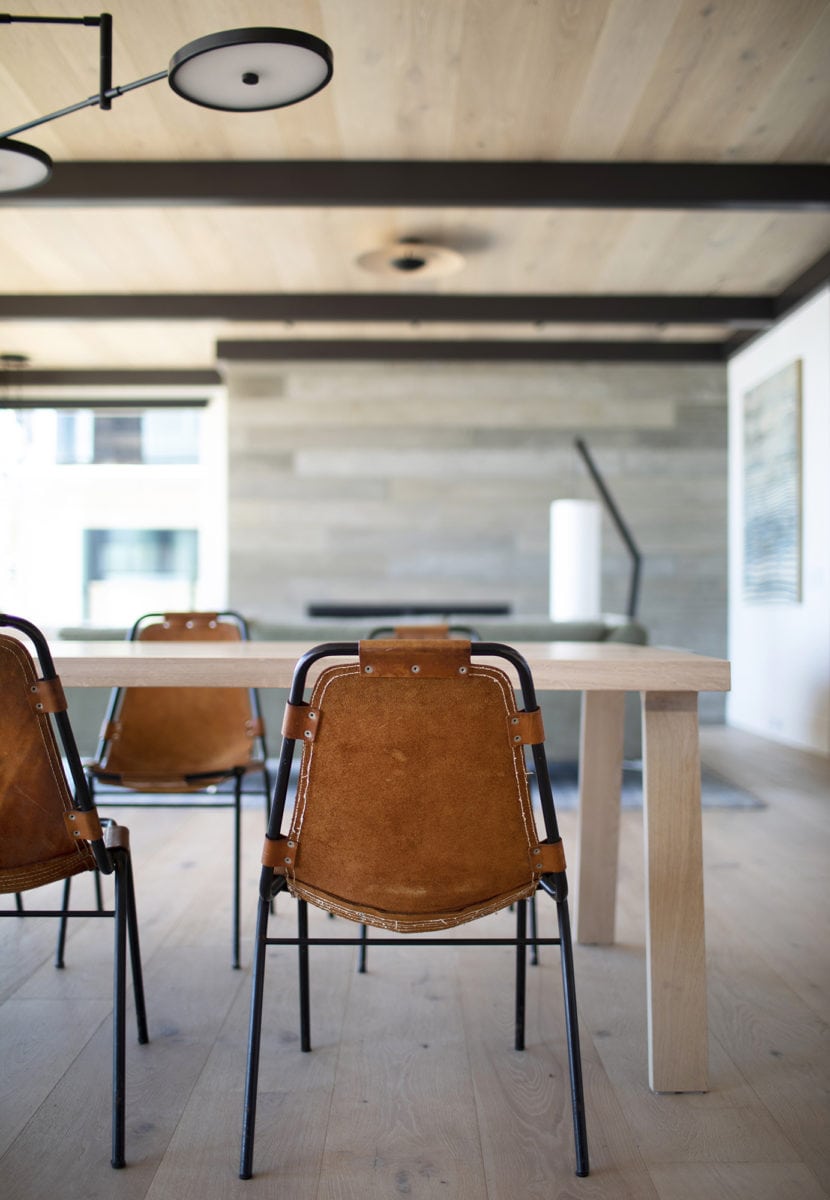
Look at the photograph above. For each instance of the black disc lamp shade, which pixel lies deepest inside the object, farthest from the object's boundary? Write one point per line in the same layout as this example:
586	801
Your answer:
249	70
22	166
240	70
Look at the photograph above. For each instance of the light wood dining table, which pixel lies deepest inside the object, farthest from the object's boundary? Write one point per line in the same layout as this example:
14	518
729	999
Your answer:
668	681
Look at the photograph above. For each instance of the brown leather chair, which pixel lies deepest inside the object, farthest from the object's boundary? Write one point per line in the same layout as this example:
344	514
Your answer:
441	630
413	815
52	831
182	740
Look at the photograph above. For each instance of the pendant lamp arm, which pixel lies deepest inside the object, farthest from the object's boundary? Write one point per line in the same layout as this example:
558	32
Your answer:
111	94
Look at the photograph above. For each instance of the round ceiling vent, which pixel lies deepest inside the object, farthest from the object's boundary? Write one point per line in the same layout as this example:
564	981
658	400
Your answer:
412	258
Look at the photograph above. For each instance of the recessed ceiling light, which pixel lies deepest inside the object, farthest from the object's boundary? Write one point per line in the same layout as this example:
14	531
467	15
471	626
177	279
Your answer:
412	258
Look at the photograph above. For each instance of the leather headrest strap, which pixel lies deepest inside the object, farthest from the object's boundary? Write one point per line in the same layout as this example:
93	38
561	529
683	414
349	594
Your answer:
421	631
190	620
427	658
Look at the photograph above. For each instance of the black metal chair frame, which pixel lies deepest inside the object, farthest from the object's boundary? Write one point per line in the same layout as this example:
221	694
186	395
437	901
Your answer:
114	800
115	861
272	883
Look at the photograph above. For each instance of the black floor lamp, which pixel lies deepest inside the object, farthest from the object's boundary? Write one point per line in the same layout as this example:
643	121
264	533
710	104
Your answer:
619	524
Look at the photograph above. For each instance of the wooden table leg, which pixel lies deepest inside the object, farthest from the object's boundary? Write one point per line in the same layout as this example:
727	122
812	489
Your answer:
675	943
598	829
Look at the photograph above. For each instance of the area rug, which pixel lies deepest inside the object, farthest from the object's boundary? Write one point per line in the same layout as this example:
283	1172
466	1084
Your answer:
716	792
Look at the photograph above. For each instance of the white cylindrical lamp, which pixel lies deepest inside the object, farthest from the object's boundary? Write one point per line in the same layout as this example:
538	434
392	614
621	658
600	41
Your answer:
575	559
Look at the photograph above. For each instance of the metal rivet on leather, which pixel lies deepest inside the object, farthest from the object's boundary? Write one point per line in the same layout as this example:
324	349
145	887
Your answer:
415	669
368	670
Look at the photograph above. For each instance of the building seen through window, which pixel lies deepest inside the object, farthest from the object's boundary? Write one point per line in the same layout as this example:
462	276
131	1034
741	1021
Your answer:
108	512
163	435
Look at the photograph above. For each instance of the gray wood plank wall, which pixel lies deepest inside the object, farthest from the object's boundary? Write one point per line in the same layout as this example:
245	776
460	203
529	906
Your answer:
421	482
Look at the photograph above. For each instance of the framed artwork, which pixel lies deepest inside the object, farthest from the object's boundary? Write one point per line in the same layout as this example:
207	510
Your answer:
772	489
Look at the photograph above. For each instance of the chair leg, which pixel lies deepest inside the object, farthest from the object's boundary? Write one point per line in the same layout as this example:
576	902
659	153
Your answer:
534	933
361	954
574	1054
135	956
521	974
268	787
18	902
237	837
119	1008
305	1005
61	945
267	792
254	1043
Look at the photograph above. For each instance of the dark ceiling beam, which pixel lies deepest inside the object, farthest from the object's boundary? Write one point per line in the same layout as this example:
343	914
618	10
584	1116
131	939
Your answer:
815	277
368	184
22	377
449	350
745	312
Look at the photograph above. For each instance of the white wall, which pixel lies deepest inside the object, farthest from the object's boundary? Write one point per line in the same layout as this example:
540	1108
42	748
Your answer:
781	652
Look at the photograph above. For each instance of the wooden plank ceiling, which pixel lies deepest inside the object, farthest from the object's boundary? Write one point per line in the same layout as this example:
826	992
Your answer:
601	97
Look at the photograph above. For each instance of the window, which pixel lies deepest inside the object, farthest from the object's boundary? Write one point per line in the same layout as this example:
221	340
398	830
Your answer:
149	435
112	508
155	569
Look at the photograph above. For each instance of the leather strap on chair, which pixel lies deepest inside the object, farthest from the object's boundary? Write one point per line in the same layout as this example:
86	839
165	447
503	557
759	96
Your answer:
549	858
301	722
279	853
84	825
116	837
47	695
422	631
426	657
526	728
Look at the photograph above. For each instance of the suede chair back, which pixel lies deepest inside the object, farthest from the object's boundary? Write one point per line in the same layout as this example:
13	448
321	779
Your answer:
413	811
174	739
38	844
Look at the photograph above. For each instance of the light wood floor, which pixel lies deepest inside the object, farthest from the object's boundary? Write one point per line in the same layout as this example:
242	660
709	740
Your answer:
412	1089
